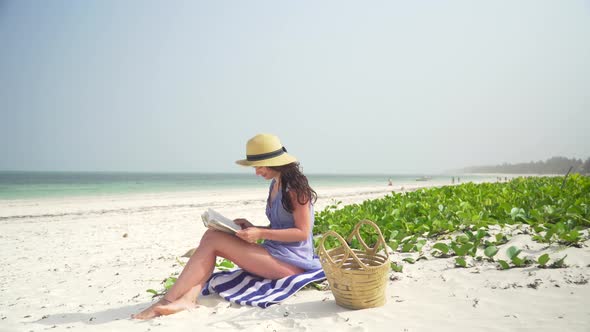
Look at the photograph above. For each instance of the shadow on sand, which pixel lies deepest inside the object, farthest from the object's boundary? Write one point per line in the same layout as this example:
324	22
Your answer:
285	313
253	316
93	318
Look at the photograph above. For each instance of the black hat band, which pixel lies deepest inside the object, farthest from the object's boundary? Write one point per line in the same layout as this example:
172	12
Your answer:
263	156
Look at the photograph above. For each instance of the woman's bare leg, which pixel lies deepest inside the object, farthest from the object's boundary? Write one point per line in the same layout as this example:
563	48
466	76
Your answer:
250	257
196	271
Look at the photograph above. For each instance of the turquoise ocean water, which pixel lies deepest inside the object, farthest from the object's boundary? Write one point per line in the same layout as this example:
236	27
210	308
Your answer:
29	185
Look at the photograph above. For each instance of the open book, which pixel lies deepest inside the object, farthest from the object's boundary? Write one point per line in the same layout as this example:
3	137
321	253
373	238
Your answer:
215	220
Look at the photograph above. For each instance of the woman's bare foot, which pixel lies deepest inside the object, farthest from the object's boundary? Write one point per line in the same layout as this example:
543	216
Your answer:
150	312
179	305
186	302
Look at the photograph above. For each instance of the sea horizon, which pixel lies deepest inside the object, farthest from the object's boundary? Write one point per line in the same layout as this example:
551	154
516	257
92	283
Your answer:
55	184
227	172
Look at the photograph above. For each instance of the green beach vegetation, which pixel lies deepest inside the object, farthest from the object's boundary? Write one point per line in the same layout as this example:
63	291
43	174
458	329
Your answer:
459	219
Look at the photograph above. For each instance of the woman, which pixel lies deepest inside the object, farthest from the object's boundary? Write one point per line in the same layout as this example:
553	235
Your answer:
288	243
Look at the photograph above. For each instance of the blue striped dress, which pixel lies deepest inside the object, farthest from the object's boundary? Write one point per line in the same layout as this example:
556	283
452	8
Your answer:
300	254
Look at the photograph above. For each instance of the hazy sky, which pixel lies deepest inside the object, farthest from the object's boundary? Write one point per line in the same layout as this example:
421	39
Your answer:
348	86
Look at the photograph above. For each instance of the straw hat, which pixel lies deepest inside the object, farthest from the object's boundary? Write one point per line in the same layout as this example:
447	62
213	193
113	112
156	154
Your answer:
266	150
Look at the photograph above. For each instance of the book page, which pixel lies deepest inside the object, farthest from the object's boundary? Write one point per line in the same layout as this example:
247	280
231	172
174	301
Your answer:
216	220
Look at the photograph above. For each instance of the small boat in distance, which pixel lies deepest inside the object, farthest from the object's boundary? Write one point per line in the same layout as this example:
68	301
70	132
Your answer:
424	178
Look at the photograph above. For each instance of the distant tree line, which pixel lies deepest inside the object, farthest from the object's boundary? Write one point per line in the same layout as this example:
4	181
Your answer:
553	165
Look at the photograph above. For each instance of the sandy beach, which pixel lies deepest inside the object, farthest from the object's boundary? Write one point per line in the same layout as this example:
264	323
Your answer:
123	122
84	264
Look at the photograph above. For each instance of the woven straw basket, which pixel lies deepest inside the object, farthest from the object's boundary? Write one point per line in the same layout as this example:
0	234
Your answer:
357	278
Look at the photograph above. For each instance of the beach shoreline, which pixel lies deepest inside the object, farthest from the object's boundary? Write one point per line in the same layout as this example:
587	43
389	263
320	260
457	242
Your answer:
86	263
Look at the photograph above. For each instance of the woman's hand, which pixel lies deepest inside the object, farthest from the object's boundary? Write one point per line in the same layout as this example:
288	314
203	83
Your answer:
250	234
243	223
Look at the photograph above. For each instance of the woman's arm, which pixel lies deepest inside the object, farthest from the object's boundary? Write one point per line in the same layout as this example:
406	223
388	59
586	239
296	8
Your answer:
244	223
300	231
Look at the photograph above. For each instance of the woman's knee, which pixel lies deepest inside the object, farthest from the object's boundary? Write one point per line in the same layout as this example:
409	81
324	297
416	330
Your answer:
222	244
209	233
212	238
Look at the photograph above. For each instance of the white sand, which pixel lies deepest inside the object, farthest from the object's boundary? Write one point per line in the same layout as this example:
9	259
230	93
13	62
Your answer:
66	265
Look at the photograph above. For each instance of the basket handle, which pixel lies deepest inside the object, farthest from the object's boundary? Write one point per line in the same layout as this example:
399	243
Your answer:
380	240
347	251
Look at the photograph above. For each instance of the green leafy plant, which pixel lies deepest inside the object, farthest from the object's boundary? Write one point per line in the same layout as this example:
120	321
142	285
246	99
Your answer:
317	286
409	260
224	265
490	252
503	265
513	253
554	213
542	260
516	261
501	239
463	249
560	263
396	267
168	283
460	262
440	250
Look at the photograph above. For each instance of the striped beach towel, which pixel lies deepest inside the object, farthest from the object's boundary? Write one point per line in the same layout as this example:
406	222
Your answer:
241	287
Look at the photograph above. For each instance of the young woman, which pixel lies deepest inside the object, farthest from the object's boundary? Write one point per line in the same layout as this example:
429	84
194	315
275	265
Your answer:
288	243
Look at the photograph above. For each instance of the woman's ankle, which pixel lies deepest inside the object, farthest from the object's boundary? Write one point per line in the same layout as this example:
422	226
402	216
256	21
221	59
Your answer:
165	301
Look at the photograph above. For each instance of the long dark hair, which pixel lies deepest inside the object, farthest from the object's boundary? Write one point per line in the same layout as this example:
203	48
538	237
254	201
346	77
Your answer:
294	180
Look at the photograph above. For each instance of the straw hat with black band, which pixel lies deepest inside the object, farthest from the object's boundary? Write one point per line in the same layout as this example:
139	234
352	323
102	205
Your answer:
266	150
